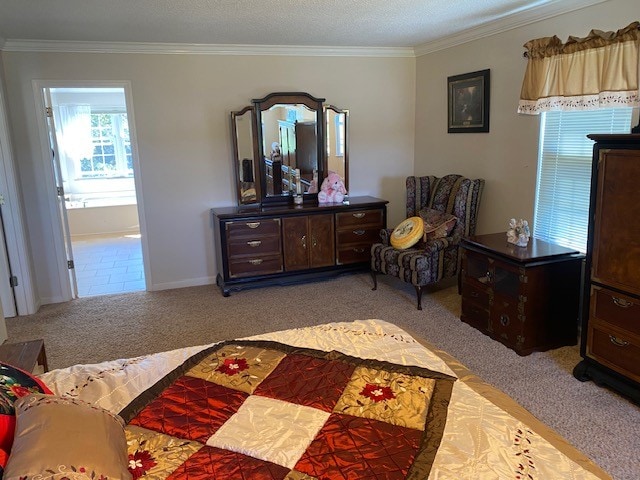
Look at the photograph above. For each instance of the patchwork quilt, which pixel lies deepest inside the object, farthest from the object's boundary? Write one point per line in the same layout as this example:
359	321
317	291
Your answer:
360	400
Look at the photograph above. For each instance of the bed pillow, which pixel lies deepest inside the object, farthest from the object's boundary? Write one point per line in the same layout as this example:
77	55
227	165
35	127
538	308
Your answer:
437	224
66	436
14	383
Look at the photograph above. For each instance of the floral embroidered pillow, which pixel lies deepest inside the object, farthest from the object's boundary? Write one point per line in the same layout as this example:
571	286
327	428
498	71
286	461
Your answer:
62	437
437	224
14	383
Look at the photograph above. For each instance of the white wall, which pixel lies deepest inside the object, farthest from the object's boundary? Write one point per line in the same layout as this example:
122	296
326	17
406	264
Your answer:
181	105
103	220
507	156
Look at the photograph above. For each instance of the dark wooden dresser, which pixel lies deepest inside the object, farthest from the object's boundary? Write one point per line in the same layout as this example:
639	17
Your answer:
610	343
291	243
525	297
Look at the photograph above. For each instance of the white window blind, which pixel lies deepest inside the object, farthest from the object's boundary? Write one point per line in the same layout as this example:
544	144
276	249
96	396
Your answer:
564	171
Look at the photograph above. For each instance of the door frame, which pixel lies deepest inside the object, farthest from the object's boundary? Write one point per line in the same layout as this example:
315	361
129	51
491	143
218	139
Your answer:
14	225
56	219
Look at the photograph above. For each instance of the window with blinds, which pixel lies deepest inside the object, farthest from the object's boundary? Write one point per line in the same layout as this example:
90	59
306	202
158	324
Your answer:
564	171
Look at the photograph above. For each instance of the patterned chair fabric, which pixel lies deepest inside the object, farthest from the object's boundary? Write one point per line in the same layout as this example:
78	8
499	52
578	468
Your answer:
429	262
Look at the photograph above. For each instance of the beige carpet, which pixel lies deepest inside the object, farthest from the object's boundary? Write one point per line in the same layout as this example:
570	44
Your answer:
600	423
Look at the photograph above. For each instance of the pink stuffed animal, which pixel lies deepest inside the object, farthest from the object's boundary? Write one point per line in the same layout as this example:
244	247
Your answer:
332	189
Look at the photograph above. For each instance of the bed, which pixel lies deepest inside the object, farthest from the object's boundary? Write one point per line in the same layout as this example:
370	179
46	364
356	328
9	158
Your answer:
348	400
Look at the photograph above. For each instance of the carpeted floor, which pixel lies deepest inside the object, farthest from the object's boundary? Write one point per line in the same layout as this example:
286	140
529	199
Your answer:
597	421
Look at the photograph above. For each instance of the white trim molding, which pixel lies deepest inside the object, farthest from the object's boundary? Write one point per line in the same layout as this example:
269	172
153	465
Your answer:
520	18
16	45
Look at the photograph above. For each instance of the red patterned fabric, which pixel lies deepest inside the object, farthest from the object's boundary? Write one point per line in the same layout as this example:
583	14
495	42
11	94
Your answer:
310	414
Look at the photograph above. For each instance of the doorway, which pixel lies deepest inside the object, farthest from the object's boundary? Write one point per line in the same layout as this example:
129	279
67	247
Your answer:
93	154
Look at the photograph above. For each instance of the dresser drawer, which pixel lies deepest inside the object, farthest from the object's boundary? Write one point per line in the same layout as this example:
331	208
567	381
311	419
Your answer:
253	228
358	235
619	310
475	293
258	265
506	320
261	245
617	351
354	254
475	315
359	217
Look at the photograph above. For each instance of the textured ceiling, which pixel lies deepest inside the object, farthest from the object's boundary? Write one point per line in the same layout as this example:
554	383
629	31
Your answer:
338	23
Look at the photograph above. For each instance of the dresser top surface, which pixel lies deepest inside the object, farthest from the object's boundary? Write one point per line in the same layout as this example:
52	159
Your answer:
289	208
535	251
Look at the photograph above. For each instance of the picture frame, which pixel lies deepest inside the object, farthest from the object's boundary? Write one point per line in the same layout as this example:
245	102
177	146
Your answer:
468	102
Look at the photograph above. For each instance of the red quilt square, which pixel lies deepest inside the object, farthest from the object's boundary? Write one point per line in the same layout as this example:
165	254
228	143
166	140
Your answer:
350	447
211	463
190	408
307	381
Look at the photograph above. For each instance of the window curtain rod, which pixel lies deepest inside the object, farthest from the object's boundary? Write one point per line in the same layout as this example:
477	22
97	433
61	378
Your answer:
593	33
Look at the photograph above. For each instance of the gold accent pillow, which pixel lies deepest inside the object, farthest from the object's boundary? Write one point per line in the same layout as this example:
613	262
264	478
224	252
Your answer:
62	437
408	233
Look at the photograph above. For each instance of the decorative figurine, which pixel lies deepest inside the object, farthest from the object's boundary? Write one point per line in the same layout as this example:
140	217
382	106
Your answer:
518	233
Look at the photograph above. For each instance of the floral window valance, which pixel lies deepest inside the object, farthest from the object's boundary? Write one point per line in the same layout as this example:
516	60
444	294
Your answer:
597	71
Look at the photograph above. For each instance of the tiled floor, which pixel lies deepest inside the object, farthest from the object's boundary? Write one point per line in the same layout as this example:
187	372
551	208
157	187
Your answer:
108	264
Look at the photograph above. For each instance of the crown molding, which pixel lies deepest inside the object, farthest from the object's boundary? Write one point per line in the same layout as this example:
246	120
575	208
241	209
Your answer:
515	20
16	45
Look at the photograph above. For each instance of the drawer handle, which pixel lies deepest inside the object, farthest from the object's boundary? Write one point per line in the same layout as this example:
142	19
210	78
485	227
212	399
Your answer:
358	250
358	215
488	275
474	294
254	243
359	232
504	320
304	241
617	342
622	303
256	261
253	224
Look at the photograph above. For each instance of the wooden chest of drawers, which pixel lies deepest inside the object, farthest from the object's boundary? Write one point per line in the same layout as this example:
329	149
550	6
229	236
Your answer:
356	231
525	297
291	243
254	247
610	342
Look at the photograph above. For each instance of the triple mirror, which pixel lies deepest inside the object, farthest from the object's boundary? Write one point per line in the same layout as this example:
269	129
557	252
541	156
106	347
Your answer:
285	144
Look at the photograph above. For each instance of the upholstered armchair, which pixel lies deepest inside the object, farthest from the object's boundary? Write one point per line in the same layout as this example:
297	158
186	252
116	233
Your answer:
430	261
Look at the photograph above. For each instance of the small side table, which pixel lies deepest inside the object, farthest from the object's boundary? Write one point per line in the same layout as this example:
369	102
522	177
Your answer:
25	355
525	297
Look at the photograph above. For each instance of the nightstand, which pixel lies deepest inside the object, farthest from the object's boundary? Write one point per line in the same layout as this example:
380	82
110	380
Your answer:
527	298
29	356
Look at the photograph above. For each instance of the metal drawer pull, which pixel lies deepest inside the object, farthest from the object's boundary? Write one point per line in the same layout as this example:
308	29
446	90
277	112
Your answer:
617	342
254	243
253	224
256	261
358	250
359	232
358	215
474	294
621	302
504	320
304	241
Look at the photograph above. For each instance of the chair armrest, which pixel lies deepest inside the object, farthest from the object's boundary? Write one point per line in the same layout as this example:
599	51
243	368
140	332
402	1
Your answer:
385	236
438	244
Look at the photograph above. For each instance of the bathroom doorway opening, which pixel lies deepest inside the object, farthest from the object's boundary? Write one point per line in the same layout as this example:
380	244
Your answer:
94	161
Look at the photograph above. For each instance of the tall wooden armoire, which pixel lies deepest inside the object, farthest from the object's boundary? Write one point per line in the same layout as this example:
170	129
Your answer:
610	315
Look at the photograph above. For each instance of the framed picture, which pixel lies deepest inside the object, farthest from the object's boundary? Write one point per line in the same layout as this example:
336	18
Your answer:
468	100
